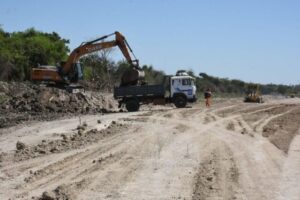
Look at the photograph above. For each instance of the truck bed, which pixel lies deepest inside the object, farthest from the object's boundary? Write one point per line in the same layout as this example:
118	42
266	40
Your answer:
139	91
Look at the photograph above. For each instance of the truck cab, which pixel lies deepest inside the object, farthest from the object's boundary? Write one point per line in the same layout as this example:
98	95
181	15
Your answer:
182	90
183	85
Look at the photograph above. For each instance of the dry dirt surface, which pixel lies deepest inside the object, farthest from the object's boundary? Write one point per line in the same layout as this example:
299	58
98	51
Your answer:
232	150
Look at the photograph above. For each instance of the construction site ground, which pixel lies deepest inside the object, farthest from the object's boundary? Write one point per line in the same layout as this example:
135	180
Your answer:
232	150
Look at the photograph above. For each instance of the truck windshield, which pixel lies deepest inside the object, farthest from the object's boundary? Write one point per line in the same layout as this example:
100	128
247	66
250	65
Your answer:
187	82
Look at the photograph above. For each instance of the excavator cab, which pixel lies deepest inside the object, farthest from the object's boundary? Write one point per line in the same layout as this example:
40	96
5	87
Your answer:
75	74
78	72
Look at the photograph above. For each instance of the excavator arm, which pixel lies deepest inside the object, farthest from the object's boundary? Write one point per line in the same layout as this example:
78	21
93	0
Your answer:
93	46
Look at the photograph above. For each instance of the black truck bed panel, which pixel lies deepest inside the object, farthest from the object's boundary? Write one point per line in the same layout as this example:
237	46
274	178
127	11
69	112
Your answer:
143	90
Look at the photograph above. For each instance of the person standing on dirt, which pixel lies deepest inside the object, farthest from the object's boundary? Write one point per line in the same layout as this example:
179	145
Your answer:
207	96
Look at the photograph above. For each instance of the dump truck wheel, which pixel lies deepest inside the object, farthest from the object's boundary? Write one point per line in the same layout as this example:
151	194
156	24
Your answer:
132	105
180	101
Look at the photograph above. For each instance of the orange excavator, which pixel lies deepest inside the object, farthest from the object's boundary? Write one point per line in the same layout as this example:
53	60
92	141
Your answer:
71	72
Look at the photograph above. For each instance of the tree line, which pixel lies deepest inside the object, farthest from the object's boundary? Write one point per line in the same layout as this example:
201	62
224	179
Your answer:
22	50
235	87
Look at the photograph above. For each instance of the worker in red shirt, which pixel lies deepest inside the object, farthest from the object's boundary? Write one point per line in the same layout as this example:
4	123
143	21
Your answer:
207	96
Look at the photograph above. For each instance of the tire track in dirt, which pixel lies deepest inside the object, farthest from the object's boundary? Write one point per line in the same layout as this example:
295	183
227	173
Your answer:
254	118
88	170
264	121
247	116
168	175
289	181
217	176
103	176
115	177
258	161
50	175
209	117
238	125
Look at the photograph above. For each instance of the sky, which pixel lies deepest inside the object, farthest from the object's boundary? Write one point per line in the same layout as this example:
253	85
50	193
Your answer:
250	40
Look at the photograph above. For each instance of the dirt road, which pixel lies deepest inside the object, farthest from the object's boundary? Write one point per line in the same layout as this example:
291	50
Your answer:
230	151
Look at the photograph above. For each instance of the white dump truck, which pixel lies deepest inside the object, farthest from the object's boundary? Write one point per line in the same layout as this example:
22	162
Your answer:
179	89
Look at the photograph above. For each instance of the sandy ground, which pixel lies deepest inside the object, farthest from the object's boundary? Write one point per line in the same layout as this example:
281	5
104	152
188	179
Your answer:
232	150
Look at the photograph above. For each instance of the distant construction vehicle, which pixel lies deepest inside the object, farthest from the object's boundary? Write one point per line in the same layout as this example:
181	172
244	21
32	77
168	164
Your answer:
292	95
253	95
71	72
178	89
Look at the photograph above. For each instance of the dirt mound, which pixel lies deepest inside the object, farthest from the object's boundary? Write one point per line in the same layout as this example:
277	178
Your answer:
64	191
60	193
24	101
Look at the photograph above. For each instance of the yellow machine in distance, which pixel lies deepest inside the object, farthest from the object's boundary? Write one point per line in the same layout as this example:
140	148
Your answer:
253	94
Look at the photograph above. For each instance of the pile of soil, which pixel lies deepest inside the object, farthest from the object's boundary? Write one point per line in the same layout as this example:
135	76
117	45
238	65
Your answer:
25	101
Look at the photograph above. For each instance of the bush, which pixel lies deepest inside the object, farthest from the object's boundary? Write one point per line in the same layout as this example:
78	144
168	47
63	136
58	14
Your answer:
20	51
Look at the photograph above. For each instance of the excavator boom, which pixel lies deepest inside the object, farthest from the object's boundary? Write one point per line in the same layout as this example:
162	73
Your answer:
93	46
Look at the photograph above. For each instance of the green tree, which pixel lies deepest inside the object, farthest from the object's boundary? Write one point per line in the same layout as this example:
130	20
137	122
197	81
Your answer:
153	76
20	51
